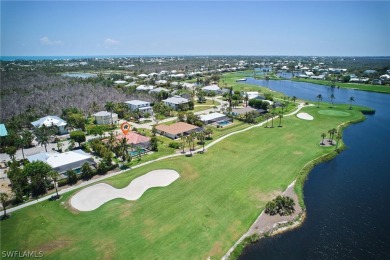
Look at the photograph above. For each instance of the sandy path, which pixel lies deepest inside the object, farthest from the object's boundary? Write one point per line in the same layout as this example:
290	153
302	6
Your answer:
94	196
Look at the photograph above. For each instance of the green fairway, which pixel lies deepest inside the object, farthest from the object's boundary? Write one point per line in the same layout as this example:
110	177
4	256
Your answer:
333	113
218	196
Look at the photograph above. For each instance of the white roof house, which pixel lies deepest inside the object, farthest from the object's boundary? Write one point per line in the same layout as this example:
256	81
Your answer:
142	106
144	87
180	75
50	121
142	76
188	85
62	162
211	88
211	116
161	82
104	117
175	101
158	90
120	82
252	94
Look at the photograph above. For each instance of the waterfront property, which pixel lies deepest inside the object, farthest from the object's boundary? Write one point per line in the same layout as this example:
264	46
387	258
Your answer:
62	162
175	102
214	118
104	118
51	121
178	129
141	106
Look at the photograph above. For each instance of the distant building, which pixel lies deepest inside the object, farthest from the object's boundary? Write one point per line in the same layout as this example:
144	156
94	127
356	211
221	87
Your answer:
144	87
175	102
212	88
104	118
141	106
51	121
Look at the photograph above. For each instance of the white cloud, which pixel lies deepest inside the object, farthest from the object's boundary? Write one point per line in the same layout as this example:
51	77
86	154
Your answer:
46	41
110	42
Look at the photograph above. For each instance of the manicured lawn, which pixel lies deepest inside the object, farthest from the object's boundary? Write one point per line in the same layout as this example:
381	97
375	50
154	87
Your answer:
216	199
365	87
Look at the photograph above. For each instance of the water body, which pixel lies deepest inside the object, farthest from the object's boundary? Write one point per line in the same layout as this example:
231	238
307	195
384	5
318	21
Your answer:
347	198
79	75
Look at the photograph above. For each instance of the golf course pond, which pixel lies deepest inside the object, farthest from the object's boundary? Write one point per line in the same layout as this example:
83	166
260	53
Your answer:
346	198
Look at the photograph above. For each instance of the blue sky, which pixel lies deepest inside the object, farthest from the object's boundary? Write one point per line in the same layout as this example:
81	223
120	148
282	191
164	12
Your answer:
350	28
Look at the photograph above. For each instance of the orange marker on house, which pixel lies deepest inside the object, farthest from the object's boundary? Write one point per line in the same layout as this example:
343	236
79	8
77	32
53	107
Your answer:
125	127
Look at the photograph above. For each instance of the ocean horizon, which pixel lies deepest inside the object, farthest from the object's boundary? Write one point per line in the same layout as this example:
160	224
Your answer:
74	57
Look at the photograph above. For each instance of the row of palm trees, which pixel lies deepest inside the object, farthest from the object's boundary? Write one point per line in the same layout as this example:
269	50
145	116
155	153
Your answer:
332	98
193	136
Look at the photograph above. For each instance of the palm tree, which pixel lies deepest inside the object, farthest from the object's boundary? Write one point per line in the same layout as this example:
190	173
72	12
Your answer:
266	116
246	98
189	140
193	137
294	98
54	177
201	136
111	140
3	200
272	120
110	106
332	97
323	135
139	152
332	132
338	138
123	148
280	119
208	132
351	99
44	134
319	98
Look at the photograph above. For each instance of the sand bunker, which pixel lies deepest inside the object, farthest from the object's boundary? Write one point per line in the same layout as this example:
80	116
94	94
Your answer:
93	197
305	116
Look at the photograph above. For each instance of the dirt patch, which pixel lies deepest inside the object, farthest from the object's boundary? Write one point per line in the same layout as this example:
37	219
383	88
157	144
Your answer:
125	210
52	246
216	250
297	152
263	196
105	248
5	187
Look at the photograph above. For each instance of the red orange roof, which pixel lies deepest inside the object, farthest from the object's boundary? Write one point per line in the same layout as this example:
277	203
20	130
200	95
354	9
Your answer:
133	138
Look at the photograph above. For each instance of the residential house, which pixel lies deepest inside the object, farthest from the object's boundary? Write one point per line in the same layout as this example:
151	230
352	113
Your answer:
214	118
212	88
62	162
51	121
141	106
104	118
178	129
158	90
242	111
144	88
175	102
135	139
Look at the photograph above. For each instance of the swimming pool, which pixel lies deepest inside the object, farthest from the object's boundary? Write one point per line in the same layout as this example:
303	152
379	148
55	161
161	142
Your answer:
224	123
135	153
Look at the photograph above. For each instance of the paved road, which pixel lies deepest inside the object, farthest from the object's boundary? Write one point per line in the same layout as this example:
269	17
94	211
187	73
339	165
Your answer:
83	184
